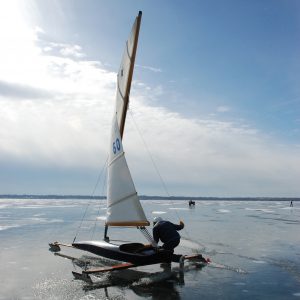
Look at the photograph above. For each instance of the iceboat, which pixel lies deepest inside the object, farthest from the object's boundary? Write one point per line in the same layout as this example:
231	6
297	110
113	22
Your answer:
123	205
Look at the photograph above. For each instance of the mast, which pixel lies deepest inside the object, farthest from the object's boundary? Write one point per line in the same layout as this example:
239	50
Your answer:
131	67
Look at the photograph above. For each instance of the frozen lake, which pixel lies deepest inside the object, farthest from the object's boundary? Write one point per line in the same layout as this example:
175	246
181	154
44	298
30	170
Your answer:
254	247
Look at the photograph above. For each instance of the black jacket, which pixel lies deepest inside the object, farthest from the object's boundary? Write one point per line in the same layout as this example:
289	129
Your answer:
166	231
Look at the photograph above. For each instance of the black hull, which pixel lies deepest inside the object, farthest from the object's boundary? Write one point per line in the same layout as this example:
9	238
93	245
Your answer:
134	253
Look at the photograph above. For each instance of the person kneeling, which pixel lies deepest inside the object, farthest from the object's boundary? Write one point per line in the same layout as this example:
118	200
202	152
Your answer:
167	232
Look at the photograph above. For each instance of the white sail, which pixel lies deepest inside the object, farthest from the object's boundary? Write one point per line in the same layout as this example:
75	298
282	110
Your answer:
123	205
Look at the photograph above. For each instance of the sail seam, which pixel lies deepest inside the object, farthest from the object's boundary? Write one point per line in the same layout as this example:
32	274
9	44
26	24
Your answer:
116	158
122	199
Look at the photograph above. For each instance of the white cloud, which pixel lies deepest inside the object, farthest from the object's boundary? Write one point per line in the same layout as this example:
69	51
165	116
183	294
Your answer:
68	50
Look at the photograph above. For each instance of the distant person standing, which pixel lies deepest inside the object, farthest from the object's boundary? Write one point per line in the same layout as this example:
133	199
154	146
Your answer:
191	203
291	204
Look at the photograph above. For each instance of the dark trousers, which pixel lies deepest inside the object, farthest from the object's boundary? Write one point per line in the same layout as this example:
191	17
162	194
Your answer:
170	245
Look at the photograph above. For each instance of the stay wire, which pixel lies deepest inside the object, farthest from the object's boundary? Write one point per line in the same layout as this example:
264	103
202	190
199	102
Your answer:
148	236
92	195
95	222
156	169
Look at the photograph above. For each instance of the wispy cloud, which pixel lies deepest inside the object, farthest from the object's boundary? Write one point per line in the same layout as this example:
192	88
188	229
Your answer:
152	69
223	109
66	49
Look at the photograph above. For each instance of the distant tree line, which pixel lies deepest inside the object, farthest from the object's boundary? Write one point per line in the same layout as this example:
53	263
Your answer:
145	197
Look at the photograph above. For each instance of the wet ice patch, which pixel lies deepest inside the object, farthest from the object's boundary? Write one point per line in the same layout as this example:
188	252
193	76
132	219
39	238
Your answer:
44	220
239	283
38	206
224	210
290	208
5	227
259	261
190	244
260	209
179	208
267	210
159	212
2	206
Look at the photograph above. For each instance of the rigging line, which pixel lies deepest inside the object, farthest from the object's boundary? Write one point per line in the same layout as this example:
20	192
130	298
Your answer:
156	168
150	155
146	232
152	160
147	236
92	195
102	193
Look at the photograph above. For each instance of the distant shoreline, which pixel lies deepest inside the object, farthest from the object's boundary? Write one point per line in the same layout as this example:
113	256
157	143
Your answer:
145	197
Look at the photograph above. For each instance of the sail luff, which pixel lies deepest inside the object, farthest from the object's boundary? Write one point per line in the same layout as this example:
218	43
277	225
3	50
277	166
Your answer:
131	68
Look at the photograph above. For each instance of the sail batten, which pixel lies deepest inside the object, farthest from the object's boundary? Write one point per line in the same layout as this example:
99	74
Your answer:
122	199
116	158
128	224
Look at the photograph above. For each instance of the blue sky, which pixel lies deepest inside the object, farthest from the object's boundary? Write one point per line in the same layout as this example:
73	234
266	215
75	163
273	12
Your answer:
215	95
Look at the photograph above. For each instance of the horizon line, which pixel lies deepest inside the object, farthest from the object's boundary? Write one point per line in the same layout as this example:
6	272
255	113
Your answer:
145	197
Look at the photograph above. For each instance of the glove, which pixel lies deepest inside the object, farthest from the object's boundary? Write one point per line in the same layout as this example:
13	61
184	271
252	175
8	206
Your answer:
181	223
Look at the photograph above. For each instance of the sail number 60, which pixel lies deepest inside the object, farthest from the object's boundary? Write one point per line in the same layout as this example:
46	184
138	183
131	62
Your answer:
116	146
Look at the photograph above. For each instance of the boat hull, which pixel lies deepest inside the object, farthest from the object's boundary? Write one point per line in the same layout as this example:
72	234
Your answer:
135	253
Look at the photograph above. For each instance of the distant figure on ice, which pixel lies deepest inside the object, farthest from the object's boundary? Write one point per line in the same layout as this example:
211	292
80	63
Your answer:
167	233
191	203
291	204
